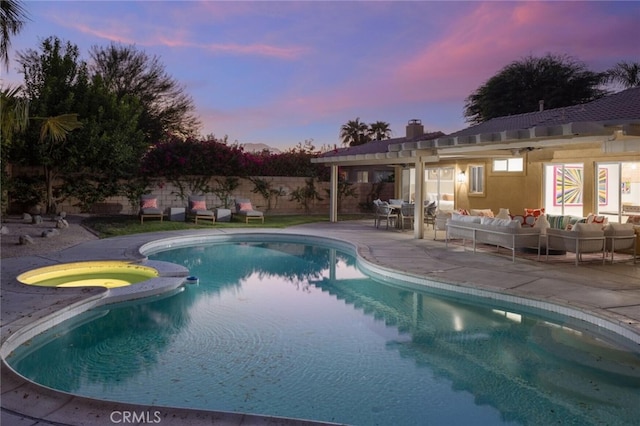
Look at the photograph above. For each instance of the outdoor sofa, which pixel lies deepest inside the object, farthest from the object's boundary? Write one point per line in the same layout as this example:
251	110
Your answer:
506	233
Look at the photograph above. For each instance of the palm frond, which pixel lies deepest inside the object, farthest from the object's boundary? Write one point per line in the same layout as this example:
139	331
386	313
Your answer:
56	128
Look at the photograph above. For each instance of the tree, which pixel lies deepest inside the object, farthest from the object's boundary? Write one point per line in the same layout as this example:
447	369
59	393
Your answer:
354	132
89	163
626	74
12	18
379	130
519	87
54	81
167	109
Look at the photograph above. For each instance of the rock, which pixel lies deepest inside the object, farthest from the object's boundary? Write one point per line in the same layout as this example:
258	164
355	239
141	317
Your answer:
62	224
4	230
50	233
25	239
37	209
26	218
37	219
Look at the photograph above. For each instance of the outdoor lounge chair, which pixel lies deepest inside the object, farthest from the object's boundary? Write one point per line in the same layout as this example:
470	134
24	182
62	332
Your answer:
244	209
149	208
197	209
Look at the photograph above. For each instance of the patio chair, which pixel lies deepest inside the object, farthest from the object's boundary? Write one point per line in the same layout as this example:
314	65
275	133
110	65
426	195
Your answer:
430	213
619	237
582	238
197	209
384	212
407	212
149	208
244	209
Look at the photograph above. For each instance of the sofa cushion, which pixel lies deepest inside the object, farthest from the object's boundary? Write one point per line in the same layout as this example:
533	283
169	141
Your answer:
481	212
619	229
465	218
586	227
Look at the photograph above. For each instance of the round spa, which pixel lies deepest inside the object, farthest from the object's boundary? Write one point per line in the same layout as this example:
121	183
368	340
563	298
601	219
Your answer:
106	273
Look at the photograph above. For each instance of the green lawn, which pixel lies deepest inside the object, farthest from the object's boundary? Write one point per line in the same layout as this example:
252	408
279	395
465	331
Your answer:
111	226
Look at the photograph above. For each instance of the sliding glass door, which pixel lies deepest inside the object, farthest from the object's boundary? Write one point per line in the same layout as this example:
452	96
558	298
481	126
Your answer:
619	190
564	189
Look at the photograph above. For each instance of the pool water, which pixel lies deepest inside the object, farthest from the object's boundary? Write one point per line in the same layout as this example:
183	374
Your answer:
297	330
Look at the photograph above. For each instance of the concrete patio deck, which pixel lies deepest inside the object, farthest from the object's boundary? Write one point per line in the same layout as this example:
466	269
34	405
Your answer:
607	295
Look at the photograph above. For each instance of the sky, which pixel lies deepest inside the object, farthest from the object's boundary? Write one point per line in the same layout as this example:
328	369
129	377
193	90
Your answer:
282	73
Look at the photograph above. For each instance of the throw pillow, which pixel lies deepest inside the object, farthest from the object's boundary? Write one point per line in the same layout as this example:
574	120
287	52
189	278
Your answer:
533	212
463	211
198	205
447	197
244	206
592	218
149	203
503	214
542	223
634	219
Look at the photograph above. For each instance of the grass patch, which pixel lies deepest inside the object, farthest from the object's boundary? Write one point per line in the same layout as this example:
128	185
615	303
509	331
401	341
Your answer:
118	225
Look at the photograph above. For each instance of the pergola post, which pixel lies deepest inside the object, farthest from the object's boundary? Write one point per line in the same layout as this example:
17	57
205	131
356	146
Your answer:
333	194
418	215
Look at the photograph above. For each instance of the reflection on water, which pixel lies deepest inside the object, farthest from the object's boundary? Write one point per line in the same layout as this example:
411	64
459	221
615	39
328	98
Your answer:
296	330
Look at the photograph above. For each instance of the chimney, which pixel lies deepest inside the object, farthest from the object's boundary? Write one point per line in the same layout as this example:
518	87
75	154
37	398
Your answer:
541	104
414	128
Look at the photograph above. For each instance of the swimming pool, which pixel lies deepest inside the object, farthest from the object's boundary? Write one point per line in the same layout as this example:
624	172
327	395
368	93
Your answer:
297	330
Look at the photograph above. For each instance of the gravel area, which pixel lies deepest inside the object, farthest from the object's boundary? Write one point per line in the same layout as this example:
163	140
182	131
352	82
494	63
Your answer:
15	227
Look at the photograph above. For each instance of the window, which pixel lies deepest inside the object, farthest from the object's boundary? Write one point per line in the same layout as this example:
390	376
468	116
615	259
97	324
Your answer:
362	177
476	179
508	165
379	176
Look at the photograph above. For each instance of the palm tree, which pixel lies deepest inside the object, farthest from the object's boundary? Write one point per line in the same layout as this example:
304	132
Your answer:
379	130
354	133
627	74
12	18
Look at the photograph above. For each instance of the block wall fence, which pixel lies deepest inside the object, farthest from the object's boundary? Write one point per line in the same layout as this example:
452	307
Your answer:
168	198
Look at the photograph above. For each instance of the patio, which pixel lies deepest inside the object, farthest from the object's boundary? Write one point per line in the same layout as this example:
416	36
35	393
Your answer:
607	295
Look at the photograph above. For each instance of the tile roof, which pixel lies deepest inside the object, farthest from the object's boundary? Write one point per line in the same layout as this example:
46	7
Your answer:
619	108
613	109
379	145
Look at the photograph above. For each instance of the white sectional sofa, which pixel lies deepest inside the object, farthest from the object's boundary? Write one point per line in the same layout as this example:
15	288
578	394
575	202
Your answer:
499	232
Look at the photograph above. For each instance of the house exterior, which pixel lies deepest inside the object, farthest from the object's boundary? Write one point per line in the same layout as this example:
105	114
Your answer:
573	160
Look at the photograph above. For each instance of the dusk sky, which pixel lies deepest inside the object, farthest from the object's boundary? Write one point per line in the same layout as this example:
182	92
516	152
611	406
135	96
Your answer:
280	73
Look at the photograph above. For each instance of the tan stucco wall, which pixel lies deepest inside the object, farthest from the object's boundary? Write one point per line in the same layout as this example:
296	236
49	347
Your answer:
517	191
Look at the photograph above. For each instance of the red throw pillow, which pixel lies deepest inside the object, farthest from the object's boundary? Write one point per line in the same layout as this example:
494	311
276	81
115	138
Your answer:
149	203
463	211
198	205
534	212
244	206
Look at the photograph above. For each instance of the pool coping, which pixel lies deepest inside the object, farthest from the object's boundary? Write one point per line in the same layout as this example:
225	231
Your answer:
60	408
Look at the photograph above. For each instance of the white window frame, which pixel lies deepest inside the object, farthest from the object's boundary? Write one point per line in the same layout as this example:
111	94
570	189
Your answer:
477	179
510	165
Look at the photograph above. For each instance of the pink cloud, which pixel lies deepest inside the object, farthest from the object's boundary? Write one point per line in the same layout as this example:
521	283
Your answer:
495	34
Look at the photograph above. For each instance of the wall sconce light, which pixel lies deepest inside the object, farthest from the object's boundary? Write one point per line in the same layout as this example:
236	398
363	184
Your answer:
461	177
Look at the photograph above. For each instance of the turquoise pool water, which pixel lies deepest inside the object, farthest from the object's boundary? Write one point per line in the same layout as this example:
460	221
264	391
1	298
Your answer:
297	330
